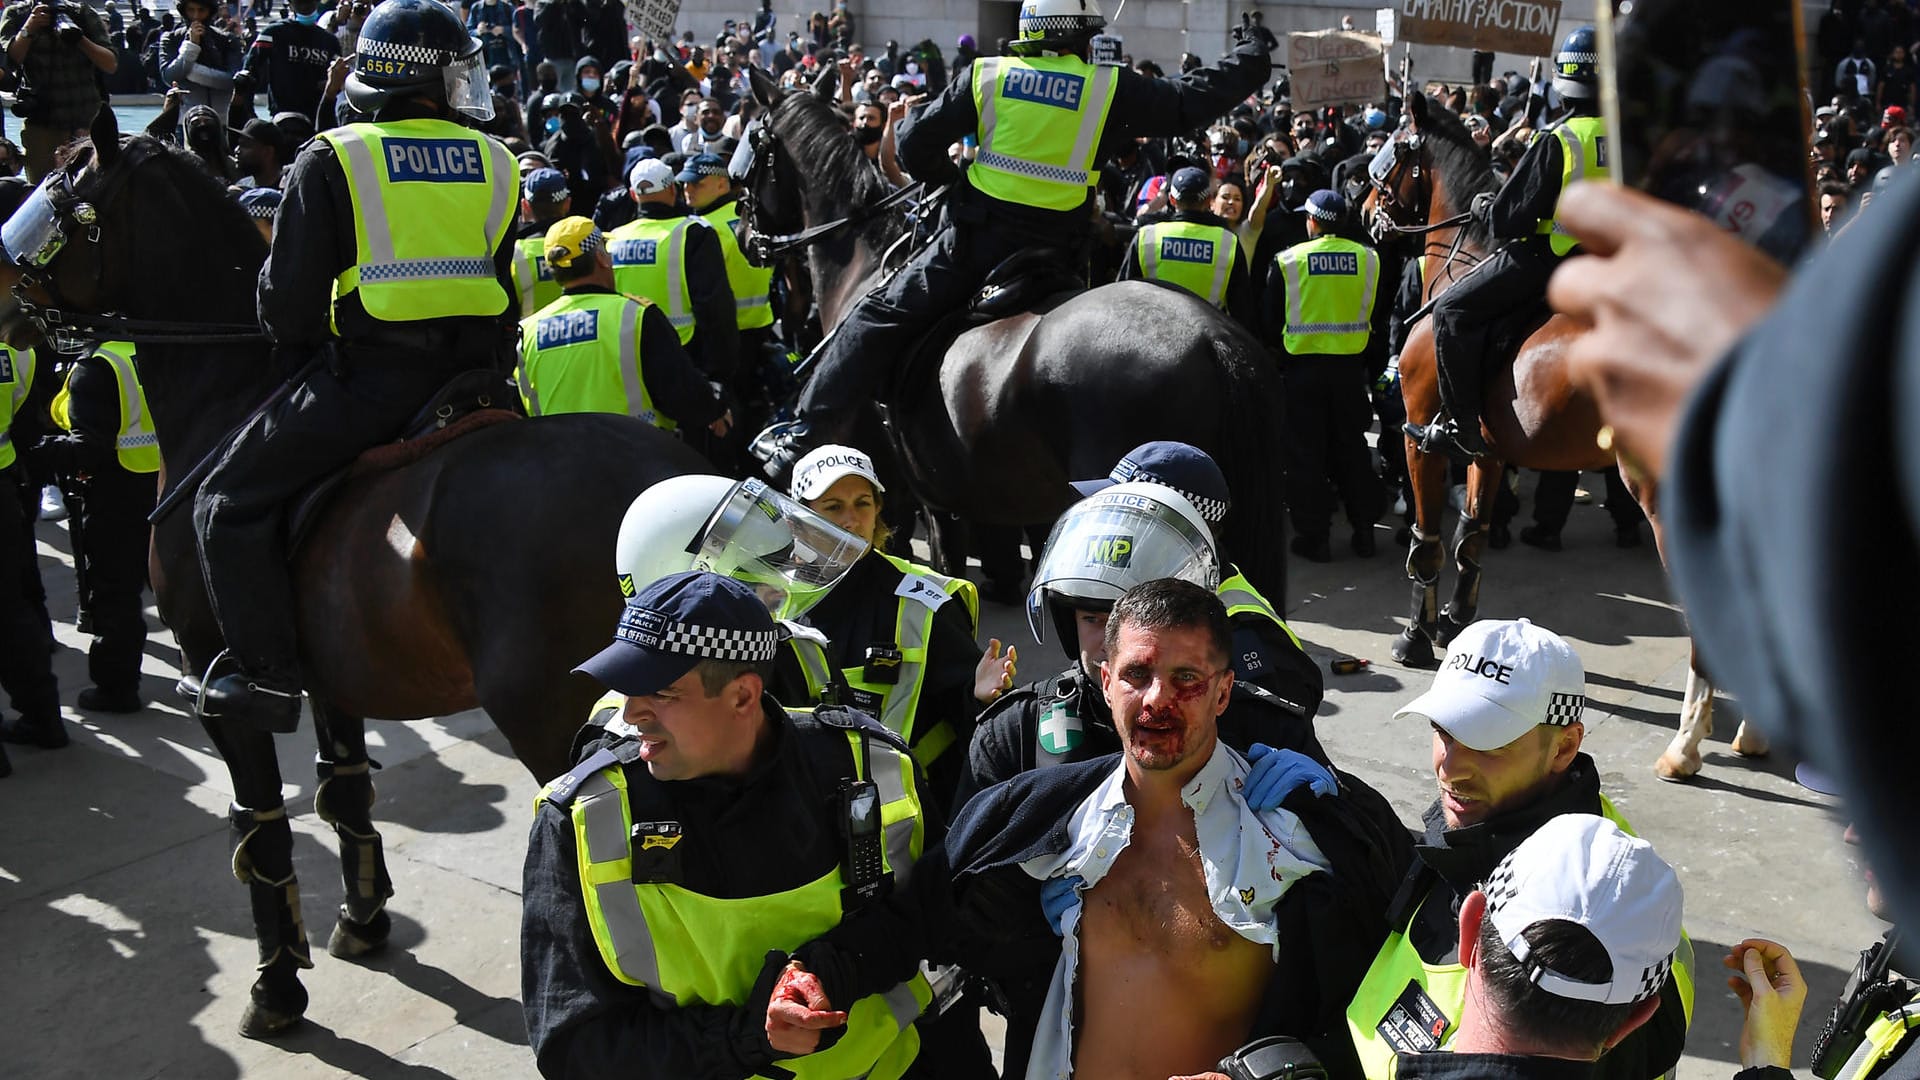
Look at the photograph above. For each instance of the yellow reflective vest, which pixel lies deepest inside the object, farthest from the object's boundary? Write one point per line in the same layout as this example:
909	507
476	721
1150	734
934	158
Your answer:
650	262
1332	284
1884	1040
432	202
581	353
1195	256
16	381
1407	1001
135	443
1241	598
752	309
1040	123
690	949
1583	156
532	277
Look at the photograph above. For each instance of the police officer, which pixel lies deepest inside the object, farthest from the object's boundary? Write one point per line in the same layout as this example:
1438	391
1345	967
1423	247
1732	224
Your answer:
594	350
1506	717
674	259
703	836
395	264
545	199
112	451
26	634
1326	317
1042	118
708	188
1195	249
1515	277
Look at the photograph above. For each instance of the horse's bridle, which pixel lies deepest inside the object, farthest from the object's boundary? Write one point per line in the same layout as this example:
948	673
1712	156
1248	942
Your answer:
1383	176
763	248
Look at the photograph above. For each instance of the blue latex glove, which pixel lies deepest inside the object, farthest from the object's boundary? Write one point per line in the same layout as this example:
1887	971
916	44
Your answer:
1277	774
1057	895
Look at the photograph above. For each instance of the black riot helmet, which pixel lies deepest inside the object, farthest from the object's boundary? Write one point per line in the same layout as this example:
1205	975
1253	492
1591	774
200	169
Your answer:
418	48
1576	67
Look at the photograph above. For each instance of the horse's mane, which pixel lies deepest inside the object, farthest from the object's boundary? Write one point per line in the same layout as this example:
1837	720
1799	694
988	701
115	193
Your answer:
816	133
1467	167
204	193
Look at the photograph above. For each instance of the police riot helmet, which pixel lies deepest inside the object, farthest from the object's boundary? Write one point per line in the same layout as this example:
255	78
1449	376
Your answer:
1107	543
1576	66
1057	25
418	48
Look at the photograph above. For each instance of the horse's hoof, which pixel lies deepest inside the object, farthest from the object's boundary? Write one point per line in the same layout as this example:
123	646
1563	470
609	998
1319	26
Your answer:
351	940
1412	649
271	1011
1675	769
1499	537
1748	744
1448	628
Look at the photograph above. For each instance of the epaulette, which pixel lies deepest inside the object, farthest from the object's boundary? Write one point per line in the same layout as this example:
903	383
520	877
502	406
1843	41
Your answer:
846	719
562	790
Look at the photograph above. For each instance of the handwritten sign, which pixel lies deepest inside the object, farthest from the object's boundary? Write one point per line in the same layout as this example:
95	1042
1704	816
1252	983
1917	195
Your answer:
654	18
1513	26
1334	67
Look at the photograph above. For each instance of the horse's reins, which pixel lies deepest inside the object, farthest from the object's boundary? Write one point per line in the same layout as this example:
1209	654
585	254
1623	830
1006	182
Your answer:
1393	229
765	248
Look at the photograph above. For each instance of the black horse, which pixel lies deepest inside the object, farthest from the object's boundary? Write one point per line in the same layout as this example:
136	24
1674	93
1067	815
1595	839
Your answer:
1024	404
478	575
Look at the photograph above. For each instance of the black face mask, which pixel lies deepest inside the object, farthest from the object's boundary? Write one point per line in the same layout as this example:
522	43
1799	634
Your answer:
1292	194
867	136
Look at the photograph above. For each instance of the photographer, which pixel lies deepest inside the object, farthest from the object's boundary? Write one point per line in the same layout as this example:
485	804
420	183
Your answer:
200	58
60	50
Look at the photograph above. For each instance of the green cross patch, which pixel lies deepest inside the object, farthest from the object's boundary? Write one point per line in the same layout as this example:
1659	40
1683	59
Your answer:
1060	730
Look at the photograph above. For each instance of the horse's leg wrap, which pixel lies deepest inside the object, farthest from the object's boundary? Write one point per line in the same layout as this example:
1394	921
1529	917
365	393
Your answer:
344	800
263	862
1469	543
1414	646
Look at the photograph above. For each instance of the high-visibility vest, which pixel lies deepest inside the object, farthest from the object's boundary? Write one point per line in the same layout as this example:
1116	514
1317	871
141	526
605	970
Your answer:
921	594
1040	124
752	309
1332	284
1883	1040
650	262
581	353
16	381
432	202
532	277
1241	598
135	443
1197	257
690	949
1583	156
1415	1000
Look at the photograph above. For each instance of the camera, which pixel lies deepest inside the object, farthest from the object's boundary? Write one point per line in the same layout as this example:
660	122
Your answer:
65	26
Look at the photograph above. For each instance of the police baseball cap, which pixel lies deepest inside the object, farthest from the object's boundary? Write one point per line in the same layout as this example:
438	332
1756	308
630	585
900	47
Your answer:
675	623
650	176
701	165
1185	468
1501	680
825	467
1584	869
1326	205
545	185
1189	183
571	237
261	203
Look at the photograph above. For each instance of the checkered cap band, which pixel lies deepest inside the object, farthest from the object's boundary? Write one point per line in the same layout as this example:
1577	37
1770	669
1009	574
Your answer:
1213	510
1047	24
650	629
406	54
1501	888
1564	709
1577	58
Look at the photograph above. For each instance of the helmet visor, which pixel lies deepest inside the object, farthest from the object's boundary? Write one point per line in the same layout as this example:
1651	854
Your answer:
1110	542
468	90
789	554
32	236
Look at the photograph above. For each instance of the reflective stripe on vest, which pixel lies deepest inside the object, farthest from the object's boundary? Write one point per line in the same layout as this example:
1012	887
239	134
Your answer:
639	270
572	351
1241	598
752	309
690	949
1195	256
532	276
1421	1002
135	444
16	381
1884	1036
432	202
1583	156
1040	124
1331	287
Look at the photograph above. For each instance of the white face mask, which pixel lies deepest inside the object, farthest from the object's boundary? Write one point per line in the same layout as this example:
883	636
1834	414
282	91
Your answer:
912	68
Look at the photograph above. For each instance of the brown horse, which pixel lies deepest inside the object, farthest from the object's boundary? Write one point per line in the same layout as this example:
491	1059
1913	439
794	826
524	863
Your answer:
478	575
1532	416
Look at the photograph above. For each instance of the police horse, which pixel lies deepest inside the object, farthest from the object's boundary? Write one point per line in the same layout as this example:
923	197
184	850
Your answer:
475	575
989	424
1534	416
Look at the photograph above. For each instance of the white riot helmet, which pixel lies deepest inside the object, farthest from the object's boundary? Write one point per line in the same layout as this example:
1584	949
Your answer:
1107	543
1057	25
791	555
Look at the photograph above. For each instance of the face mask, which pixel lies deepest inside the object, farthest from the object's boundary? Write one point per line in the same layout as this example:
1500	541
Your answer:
553	124
1240	148
867	136
308	18
687	113
589	85
913	69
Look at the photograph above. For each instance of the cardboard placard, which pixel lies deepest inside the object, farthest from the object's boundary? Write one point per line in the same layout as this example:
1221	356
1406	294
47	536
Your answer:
1334	67
654	18
1512	26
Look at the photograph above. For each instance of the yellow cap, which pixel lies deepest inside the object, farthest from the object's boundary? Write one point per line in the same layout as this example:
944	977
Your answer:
571	237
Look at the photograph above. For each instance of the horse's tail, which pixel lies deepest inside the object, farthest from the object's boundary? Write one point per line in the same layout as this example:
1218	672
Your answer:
1249	451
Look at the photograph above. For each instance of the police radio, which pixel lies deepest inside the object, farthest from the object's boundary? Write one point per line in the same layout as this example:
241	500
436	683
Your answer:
862	872
1869	994
1276	1057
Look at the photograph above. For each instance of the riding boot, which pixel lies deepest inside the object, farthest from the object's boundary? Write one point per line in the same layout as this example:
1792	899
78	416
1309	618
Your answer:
268	700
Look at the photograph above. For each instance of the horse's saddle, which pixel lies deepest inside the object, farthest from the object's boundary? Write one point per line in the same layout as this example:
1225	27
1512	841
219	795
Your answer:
1030	280
468	402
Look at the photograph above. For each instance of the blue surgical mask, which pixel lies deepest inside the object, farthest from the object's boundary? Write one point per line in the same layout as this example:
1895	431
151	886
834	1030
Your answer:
308	18
553	124
589	85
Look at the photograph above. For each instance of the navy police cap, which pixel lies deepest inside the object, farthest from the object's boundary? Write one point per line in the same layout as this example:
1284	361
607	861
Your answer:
675	623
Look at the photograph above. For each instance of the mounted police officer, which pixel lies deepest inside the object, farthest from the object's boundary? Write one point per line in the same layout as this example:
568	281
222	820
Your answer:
545	199
26	635
1195	249
706	835
1524	213
1043	118
395	267
1326	317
